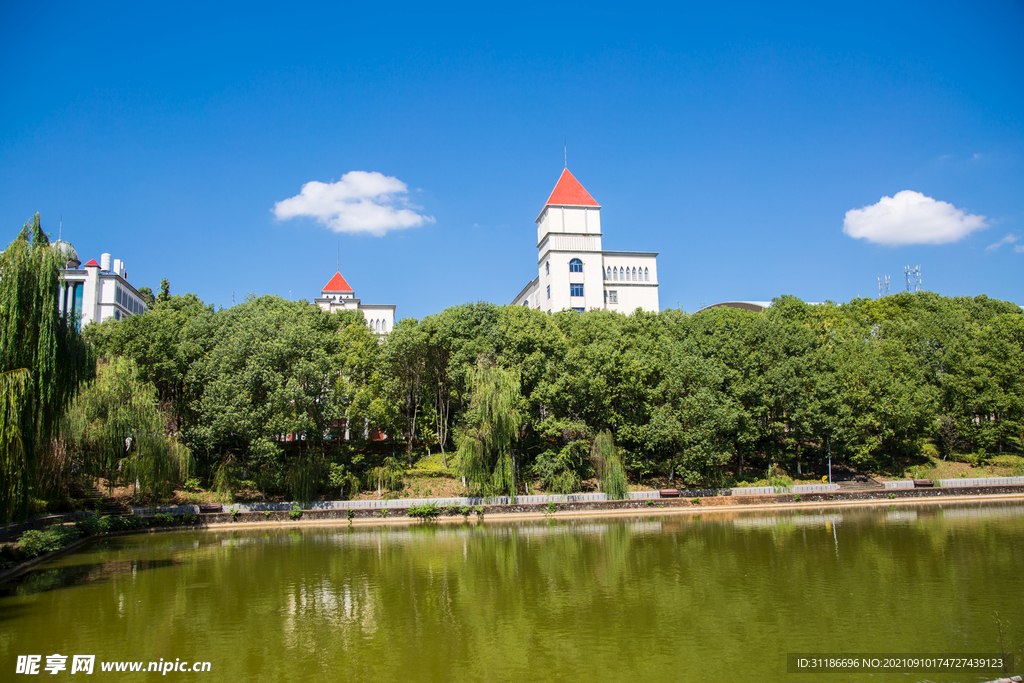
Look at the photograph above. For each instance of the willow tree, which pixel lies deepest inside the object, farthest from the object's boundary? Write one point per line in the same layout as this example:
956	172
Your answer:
117	429
604	457
34	337
486	458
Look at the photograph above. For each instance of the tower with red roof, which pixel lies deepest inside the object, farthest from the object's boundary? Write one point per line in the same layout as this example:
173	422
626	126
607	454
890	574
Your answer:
574	272
337	295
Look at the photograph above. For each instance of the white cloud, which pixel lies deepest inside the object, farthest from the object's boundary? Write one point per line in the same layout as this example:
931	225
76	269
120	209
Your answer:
1019	249
911	218
360	202
1009	239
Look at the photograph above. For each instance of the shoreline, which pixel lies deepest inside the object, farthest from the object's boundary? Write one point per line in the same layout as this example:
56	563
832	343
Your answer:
680	508
645	511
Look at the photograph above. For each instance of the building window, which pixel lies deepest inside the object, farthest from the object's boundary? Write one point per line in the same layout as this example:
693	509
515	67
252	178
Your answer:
615	273
526	303
576	289
547	267
613	296
634	275
647	276
575	266
549	291
578	310
608	275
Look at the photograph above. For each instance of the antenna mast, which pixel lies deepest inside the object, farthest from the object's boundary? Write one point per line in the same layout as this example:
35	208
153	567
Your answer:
913	278
883	286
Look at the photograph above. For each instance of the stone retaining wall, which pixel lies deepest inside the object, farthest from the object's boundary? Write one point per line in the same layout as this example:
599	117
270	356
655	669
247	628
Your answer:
589	506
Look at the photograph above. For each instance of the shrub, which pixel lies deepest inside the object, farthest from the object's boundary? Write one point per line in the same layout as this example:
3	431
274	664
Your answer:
695	501
266	514
384	512
552	508
427	511
190	518
479	510
1014	462
162	519
295	512
344	480
191	484
89	526
234	513
351	513
560	472
972	459
796	497
34	542
777	477
892	496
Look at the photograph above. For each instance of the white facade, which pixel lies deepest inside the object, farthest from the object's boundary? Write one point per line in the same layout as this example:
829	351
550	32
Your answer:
573	271
337	295
96	291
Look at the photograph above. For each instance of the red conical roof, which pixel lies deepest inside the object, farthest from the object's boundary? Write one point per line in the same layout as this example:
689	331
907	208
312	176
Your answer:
337	284
569	192
92	263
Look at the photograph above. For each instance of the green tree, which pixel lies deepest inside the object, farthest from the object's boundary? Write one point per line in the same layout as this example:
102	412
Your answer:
486	458
117	429
403	366
33	337
608	466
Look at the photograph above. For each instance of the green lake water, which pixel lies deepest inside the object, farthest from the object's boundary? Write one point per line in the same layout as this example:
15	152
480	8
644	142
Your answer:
710	597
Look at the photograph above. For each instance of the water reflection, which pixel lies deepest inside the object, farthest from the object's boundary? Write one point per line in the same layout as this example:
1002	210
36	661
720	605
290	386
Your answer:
604	599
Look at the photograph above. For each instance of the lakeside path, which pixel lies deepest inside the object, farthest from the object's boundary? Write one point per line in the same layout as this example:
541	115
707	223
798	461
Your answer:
722	510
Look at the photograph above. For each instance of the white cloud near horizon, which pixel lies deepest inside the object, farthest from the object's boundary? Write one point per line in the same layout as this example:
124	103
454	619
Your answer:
362	201
1009	239
910	217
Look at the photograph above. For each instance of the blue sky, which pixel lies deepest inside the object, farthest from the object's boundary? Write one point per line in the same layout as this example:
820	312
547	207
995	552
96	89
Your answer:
733	139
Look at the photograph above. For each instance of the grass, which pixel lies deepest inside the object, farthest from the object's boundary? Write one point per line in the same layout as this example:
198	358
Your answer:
996	466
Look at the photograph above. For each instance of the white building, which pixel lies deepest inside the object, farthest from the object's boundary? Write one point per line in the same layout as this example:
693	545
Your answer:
337	295
573	271
96	291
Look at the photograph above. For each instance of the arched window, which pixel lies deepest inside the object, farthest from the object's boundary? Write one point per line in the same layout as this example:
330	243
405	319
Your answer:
634	275
608	275
647	275
615	273
547	267
575	266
